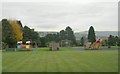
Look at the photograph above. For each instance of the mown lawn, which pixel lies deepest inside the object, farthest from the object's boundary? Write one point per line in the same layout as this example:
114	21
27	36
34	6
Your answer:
65	60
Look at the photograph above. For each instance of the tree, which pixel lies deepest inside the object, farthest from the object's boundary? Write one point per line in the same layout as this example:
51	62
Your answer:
119	41
52	37
113	41
57	37
17	29
8	35
105	43
110	41
43	41
19	22
49	37
70	35
91	35
82	41
116	40
30	34
67	34
62	35
26	33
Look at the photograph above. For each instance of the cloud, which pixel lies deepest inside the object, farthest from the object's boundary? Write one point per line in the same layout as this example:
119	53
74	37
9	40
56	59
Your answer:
72	1
54	16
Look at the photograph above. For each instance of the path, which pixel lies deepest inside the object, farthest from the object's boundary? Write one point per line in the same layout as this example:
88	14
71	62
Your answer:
102	48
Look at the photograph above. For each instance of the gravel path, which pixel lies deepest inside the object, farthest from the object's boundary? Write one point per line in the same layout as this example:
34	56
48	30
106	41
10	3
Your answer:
102	48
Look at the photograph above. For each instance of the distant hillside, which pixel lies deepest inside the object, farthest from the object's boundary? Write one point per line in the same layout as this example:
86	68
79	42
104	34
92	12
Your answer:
78	35
44	33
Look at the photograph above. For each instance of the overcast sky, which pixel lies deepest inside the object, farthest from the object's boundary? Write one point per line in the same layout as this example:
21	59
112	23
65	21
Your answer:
55	16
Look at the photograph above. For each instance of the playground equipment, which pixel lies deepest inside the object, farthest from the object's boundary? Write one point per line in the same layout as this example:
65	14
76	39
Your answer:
24	46
95	45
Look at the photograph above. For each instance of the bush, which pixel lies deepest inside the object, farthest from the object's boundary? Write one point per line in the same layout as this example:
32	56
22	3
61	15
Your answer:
4	45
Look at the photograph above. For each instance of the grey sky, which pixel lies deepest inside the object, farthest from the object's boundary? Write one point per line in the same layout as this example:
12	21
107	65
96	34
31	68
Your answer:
55	16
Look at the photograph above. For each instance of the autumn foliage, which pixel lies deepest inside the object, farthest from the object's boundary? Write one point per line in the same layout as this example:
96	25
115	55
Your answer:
17	29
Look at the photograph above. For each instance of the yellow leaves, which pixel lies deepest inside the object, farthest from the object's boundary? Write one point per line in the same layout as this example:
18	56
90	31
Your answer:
16	29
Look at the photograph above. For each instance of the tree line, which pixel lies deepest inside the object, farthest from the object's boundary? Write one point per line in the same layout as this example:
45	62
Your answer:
13	31
113	41
66	34
110	41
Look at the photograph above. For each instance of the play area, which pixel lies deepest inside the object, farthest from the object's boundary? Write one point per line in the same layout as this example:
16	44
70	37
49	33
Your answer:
93	46
26	45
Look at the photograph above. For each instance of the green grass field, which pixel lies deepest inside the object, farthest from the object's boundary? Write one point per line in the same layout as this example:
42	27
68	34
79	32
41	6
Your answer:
65	60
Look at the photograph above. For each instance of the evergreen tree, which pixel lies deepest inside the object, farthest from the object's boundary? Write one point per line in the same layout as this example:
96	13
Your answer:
91	35
82	41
